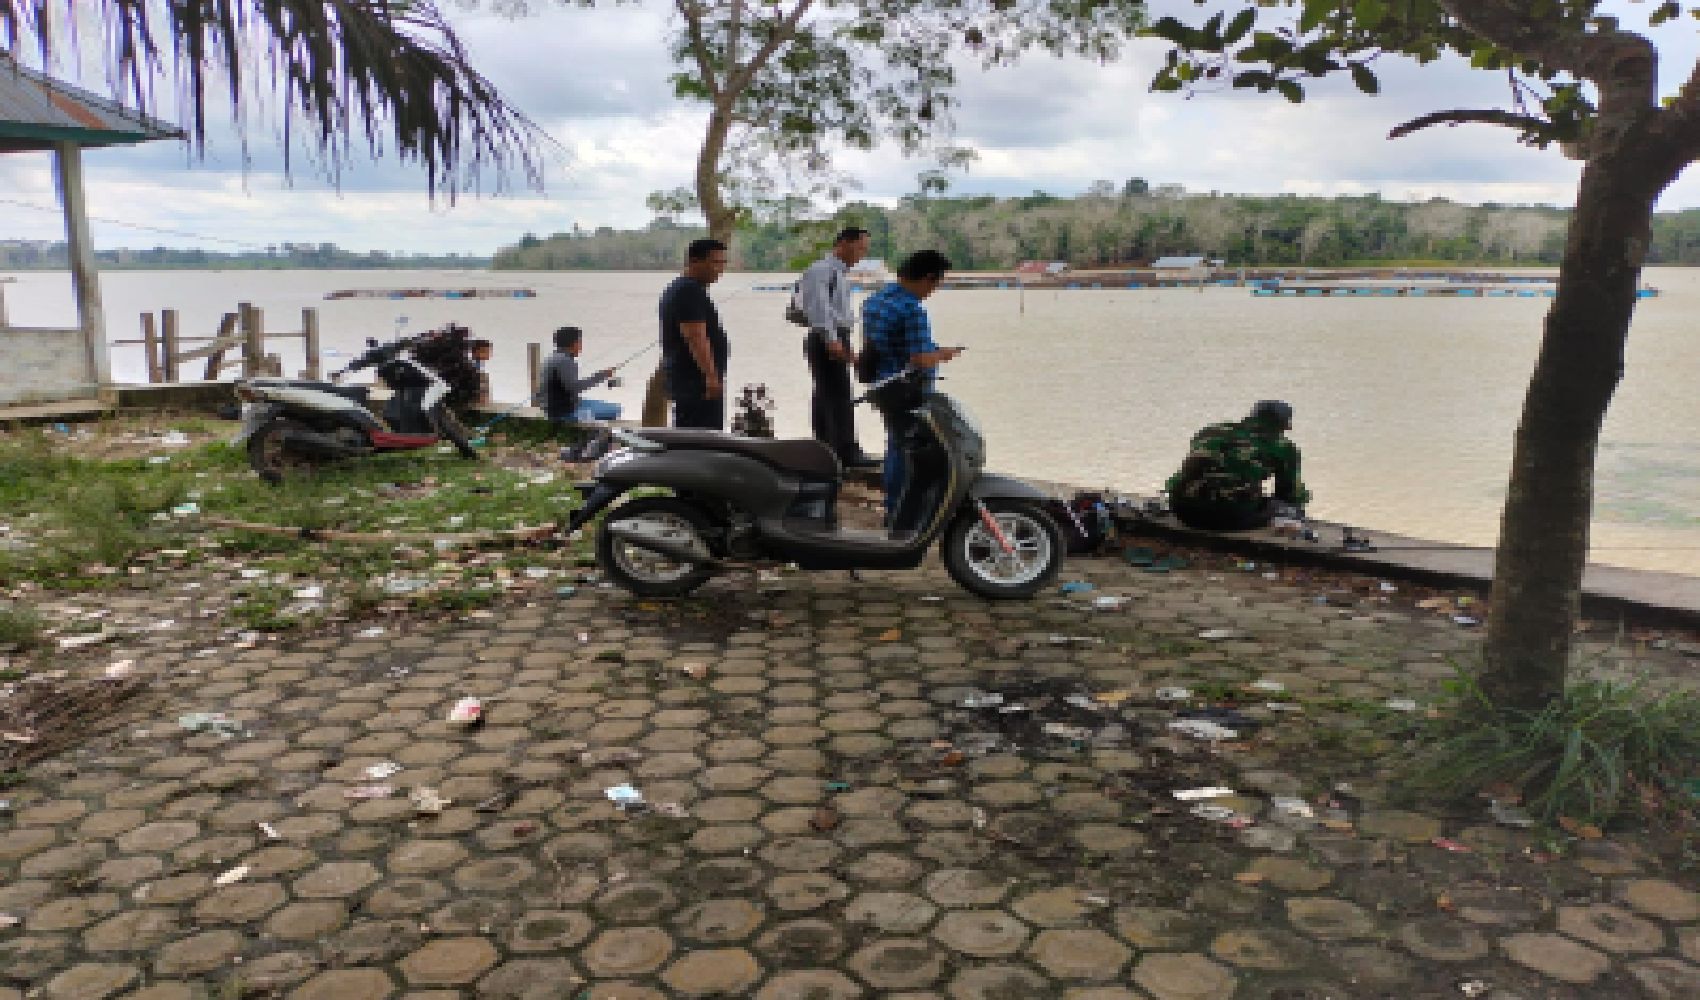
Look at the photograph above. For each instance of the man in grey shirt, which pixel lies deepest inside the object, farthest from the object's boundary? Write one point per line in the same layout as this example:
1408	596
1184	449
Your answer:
823	297
560	390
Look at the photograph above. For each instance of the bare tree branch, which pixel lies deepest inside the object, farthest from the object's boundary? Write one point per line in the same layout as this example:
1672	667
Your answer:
1527	123
693	17
1622	64
782	33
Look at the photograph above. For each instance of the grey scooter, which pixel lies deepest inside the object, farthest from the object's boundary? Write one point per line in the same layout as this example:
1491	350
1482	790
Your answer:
738	501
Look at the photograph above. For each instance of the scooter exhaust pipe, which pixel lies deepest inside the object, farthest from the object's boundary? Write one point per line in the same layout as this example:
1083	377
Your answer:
665	547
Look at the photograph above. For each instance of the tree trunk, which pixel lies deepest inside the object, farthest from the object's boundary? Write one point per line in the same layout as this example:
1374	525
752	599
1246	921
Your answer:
721	218
1543	539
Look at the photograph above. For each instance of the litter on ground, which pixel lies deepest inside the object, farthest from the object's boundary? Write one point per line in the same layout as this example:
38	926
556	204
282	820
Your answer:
1198	794
624	796
1203	729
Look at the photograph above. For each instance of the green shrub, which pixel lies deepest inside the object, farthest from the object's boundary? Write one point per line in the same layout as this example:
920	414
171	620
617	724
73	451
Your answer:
1583	757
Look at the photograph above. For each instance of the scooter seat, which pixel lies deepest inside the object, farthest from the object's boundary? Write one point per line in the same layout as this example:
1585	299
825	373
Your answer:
358	393
804	456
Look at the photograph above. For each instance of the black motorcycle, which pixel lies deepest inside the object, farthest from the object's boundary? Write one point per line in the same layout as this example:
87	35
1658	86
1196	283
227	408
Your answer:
741	501
291	424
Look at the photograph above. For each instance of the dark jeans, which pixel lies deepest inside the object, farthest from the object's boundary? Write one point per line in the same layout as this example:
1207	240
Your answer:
899	425
1223	515
691	410
831	412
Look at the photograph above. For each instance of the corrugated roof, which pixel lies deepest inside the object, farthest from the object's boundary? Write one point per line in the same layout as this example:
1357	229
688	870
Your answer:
37	111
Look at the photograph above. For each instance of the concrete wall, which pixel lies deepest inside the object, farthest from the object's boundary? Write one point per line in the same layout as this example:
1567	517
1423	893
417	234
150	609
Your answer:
41	365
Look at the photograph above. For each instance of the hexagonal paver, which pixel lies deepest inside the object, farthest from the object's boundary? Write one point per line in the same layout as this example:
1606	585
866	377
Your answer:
965	887
240	903
981	933
1666	978
810	984
1440	939
995	982
799	942
1059	907
1556	956
421	857
1183	977
1610	928
132	930
898	964
636	903
1291	875
156	837
199	954
1079	954
345	984
1265	949
627	951
91	981
1329	919
719	920
448	962
533	979
892	912
336	878
713	972
1661	899
799	893
308	921
550	930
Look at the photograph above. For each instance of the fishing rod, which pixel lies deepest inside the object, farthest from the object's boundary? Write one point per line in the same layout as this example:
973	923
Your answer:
510	411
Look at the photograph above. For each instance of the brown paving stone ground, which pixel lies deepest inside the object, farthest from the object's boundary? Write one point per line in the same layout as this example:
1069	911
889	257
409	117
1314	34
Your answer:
833	822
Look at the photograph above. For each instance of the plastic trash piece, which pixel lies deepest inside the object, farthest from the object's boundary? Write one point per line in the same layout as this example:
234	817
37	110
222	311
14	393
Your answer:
269	830
370	633
1137	556
427	801
566	591
1215	814
1111	602
1077	587
378	772
215	722
1174	694
120	670
1216	634
838	786
1447	844
1075	640
467	712
1112	698
1401	704
1067	732
1203	729
1507	814
624	796
370	792
1291	806
1197	794
8	920
981	699
1267	686
671	810
232	876
1085	701
1466	620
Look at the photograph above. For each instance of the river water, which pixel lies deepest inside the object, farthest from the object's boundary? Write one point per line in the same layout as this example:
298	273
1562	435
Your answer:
1405	408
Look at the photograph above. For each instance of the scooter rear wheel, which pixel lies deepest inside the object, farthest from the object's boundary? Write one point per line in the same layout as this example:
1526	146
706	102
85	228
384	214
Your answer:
645	573
269	453
976	560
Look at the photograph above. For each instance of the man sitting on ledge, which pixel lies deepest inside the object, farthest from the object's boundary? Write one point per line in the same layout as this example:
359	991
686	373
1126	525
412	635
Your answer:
1220	485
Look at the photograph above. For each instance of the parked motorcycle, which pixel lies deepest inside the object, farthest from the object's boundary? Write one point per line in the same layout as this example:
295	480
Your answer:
292	424
741	501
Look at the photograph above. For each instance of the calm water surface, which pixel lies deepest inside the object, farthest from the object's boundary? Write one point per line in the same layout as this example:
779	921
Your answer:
1405	408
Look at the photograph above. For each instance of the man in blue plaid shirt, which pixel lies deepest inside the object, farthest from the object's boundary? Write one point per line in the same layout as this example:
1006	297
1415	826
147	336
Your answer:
895	327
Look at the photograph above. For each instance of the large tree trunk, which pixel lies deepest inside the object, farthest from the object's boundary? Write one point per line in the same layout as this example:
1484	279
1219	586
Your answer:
721	218
1543	540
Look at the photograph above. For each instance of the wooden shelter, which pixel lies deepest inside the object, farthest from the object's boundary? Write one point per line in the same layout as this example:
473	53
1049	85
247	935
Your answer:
39	114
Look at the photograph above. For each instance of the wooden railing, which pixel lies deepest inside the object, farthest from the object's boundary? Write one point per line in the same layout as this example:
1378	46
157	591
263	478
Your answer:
242	333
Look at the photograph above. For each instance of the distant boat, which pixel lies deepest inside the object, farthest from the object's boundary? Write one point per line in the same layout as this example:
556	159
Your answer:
432	293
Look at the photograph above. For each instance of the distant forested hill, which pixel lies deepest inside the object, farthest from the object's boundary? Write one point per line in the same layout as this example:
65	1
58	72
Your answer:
1134	224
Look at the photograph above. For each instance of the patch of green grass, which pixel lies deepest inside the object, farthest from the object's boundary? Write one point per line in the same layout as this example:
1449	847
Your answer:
460	599
20	626
1584	757
261	609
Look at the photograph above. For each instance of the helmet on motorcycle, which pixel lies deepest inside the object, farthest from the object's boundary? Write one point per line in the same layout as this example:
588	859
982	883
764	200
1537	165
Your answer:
1273	412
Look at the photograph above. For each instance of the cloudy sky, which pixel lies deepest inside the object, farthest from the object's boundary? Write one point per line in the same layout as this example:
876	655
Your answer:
596	80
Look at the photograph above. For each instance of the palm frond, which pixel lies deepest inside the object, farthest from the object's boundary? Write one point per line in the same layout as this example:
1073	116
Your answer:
375	74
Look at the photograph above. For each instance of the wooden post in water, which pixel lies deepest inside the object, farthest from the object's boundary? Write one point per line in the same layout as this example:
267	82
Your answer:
168	336
253	339
533	365
215	359
310	340
150	346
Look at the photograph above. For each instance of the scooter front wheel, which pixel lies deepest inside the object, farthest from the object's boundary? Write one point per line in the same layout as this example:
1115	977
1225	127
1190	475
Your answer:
269	452
977	560
646	573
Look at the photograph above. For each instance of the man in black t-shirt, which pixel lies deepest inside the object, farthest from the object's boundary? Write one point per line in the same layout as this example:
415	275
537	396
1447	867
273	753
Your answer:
693	343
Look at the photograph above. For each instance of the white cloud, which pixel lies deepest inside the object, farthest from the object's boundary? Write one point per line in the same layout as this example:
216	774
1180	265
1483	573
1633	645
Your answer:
597	81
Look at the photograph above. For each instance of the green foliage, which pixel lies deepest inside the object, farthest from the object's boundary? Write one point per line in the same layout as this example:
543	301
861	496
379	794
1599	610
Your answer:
1584	757
377	73
981	232
1282	45
20	626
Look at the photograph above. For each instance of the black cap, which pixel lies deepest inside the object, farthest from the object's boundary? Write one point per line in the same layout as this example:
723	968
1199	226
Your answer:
1274	412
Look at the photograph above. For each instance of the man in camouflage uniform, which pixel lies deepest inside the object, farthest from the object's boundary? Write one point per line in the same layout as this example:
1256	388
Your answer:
1220	485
